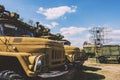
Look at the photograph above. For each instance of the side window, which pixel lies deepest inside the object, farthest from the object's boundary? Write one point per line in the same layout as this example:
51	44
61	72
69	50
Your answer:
10	30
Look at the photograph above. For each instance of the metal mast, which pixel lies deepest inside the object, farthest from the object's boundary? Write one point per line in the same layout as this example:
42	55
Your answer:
98	37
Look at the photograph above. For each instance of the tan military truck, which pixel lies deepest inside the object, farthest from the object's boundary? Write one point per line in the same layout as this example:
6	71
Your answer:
23	57
73	53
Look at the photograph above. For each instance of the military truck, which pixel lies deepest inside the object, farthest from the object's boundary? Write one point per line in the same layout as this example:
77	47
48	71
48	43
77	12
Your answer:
24	57
83	56
89	49
73	53
109	53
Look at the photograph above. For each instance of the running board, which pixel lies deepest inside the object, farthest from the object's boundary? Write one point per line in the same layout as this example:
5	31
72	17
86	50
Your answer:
52	74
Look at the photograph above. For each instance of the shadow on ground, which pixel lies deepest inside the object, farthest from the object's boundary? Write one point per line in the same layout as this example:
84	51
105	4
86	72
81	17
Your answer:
89	76
84	68
83	73
87	73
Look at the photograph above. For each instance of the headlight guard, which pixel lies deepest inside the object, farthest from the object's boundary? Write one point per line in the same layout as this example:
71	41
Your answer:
35	63
38	63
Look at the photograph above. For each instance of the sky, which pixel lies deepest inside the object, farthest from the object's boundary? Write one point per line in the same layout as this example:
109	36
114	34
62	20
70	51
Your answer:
71	18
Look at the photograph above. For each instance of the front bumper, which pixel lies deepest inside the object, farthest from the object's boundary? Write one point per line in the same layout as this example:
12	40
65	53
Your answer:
52	74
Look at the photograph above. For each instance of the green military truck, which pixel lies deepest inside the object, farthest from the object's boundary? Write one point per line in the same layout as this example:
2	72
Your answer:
83	56
89	50
109	53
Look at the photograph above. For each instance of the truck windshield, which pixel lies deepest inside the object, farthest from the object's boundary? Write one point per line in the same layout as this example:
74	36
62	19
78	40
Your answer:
11	30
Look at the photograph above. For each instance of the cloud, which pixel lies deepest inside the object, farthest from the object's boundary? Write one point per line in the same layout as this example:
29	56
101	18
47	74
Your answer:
72	30
51	25
77	41
111	36
76	35
56	12
117	32
115	35
113	39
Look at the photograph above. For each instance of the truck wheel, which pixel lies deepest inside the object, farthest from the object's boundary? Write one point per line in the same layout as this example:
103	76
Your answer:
10	75
119	60
102	60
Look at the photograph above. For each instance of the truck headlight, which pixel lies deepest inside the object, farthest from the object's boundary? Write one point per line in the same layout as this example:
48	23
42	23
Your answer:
38	63
35	62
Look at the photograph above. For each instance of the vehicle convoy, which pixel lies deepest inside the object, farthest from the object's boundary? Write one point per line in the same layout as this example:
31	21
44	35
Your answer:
22	56
109	53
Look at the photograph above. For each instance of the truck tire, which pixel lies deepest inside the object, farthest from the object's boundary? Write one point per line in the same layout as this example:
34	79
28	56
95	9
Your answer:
119	60
102	59
10	75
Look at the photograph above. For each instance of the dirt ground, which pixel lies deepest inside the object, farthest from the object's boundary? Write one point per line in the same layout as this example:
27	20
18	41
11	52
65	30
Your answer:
97	71
93	71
